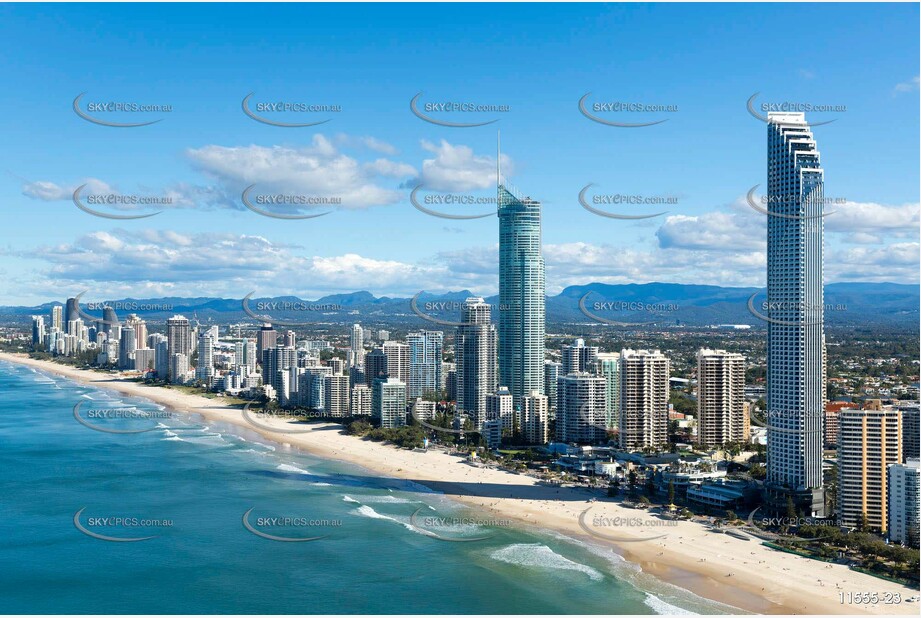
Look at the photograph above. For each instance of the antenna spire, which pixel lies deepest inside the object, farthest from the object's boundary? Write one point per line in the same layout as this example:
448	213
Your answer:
498	157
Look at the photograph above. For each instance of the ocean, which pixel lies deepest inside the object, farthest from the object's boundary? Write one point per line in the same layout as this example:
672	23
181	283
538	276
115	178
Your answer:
381	545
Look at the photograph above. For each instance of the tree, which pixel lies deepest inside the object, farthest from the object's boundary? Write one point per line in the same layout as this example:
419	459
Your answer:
863	523
671	492
631	482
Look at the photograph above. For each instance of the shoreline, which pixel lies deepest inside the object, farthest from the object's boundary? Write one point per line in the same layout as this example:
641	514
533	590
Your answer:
718	567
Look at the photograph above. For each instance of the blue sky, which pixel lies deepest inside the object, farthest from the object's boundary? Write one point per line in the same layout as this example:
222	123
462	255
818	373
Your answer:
370	60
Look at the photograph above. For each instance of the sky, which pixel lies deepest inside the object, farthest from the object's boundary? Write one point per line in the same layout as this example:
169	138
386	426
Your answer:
363	64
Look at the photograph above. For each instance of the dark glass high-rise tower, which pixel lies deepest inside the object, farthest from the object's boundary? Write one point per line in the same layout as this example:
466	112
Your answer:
522	321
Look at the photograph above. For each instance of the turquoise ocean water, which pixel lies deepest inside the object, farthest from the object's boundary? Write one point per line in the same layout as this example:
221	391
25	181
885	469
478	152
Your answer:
188	482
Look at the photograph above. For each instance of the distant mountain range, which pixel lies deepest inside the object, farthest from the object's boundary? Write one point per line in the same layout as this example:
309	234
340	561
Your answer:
661	304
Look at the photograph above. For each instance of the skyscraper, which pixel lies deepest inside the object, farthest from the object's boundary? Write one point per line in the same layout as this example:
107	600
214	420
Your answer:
57	317
70	310
397	360
336	404
205	369
720	397
534	418
551	375
607	365
266	338
388	402
869	441
109	319
357	346
475	358
580	415
644	377
578	358
904	502
795	359
522	322
499	407
425	349
179	336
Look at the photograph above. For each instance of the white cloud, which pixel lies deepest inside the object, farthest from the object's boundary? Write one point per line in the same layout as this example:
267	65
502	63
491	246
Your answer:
48	191
868	217
714	231
457	168
907	86
317	170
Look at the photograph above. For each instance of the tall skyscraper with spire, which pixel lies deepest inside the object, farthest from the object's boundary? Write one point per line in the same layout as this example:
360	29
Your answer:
522	320
795	314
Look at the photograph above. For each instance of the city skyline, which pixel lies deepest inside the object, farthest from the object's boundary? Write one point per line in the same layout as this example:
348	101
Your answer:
376	154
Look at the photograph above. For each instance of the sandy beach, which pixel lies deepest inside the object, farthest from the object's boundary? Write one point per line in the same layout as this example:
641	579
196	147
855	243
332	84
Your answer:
742	574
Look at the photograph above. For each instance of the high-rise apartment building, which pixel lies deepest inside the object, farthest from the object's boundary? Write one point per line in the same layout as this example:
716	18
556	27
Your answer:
499	407
607	365
720	397
388	402
580	415
578	358
904	502
266	338
534	419
911	431
337	396
204	371
357	346
57	318
361	400
475	359
551	375
425	355
644	389
178	336
795	312
869	441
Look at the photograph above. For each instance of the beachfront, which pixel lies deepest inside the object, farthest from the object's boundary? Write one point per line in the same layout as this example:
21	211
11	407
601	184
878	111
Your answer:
740	573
